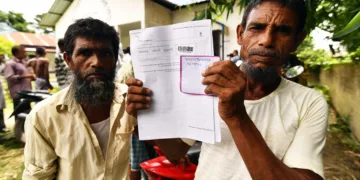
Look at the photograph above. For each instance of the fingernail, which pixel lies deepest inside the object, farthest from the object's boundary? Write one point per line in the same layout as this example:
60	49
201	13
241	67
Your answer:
148	98
147	106
203	73
211	64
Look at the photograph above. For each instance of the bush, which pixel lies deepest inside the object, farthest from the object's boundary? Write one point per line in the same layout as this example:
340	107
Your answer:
5	46
320	59
355	56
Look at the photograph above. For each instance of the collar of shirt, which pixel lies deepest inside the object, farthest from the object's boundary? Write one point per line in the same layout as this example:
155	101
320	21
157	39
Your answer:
18	60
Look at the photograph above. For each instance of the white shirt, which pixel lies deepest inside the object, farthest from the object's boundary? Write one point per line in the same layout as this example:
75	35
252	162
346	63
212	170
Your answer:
293	122
102	131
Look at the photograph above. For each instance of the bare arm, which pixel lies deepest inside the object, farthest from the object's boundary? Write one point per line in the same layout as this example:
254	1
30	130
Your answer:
11	76
173	149
258	158
46	73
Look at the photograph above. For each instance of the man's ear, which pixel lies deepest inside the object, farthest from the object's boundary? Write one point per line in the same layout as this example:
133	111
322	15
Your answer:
67	59
239	31
299	39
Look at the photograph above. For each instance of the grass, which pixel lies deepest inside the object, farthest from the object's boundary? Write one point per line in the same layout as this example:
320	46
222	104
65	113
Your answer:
11	151
12	155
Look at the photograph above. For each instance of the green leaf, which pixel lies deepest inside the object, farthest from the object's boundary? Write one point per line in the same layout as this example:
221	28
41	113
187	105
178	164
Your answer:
353	25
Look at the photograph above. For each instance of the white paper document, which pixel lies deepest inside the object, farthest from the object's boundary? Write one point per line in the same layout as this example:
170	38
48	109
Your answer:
156	60
191	68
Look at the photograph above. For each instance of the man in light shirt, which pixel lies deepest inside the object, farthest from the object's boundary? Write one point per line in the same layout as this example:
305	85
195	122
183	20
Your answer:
272	128
82	132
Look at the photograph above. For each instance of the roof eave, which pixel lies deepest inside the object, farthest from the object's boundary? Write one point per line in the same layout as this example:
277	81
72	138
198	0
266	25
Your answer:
57	9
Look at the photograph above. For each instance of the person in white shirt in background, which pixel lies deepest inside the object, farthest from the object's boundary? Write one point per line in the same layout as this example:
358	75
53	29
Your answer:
272	128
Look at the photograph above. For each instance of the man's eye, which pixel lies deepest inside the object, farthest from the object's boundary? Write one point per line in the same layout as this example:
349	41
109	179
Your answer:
108	53
255	28
285	30
85	52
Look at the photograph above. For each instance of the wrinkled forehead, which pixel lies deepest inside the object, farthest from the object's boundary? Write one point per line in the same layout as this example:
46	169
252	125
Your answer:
273	13
92	43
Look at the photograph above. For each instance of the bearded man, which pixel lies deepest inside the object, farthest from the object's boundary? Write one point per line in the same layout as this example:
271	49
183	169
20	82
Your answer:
272	128
83	131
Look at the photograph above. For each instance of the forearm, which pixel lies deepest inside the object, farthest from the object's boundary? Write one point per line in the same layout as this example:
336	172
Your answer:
258	158
173	149
13	78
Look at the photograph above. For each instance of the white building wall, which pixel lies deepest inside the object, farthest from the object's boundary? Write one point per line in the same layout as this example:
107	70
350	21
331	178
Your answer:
186	14
230	44
65	20
120	12
156	15
114	12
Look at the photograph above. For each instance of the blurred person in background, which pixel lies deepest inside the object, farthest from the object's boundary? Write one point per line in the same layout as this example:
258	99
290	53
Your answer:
41	69
17	75
235	57
61	70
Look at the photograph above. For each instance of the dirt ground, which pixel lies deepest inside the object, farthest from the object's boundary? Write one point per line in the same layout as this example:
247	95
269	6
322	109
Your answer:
340	163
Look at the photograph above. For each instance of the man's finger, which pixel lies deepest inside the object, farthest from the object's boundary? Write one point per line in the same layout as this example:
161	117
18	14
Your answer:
213	89
134	98
133	82
222	70
218	80
133	108
139	90
229	64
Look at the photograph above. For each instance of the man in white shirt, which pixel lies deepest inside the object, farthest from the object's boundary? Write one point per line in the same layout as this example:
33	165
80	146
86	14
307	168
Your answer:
272	128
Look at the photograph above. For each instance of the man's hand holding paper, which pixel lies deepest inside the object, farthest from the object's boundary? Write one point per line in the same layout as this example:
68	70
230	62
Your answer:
225	80
156	56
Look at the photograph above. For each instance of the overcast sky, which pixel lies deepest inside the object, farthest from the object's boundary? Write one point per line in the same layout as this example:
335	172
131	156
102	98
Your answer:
30	8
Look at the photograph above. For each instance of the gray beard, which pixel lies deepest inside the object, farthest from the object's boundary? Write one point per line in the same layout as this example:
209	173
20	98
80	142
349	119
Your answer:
93	93
267	75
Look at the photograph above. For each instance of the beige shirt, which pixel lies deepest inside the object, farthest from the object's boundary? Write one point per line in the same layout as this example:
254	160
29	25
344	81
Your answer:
60	143
293	123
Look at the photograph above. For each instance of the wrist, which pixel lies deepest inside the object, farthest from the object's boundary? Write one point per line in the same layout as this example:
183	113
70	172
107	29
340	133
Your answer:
238	119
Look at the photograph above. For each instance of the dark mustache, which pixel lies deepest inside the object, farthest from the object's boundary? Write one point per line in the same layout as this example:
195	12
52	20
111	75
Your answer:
264	52
96	71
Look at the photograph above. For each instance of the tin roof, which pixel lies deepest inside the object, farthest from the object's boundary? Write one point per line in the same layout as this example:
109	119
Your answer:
32	40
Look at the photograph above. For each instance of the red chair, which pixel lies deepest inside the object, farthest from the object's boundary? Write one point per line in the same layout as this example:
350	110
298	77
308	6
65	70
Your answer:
162	169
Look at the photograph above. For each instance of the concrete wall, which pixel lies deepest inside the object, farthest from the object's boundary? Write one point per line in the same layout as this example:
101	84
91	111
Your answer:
65	20
114	12
148	13
343	82
156	15
230	44
186	14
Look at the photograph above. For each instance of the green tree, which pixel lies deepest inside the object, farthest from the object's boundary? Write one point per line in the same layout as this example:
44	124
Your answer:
3	17
16	20
45	30
5	46
334	15
306	44
328	15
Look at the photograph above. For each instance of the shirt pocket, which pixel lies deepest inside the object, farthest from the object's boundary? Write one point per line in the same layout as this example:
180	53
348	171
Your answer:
122	147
